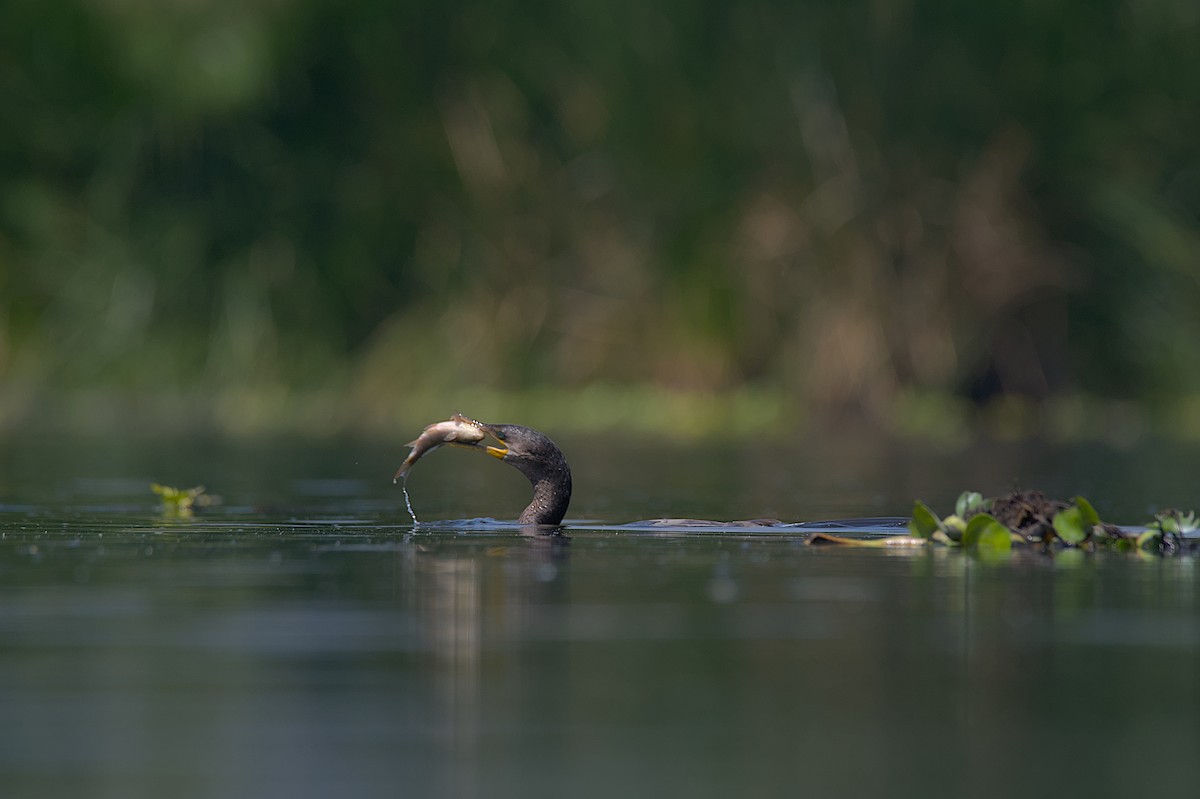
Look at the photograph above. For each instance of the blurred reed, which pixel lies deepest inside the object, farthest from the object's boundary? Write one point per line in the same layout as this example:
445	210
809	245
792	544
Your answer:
725	216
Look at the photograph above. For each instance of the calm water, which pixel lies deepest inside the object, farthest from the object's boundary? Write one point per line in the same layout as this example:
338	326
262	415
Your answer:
303	640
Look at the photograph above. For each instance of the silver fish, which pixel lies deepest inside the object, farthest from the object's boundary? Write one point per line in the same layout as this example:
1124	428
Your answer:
458	429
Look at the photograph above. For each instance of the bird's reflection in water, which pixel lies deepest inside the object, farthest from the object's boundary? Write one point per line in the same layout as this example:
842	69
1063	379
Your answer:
474	601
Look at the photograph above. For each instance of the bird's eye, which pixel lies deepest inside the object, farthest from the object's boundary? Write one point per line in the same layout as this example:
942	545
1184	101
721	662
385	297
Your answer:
499	435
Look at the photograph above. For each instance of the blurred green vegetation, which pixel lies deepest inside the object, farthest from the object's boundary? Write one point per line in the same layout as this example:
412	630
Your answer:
757	213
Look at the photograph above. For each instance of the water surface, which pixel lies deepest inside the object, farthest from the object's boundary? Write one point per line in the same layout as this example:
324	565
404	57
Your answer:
302	639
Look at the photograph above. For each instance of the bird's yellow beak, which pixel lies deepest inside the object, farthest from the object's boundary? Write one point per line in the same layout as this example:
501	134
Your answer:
498	451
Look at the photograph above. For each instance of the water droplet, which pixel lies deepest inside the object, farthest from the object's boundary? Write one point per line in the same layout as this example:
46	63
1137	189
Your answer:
408	502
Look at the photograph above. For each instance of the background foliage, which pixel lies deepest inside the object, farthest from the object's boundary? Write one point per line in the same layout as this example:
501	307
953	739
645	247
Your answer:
801	208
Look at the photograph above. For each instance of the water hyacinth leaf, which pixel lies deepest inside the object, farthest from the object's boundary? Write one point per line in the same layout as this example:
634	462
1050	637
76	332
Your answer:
953	527
1151	538
975	527
979	525
924	522
1174	522
1090	517
1070	525
994	540
1188	523
968	501
986	535
943	537
177	501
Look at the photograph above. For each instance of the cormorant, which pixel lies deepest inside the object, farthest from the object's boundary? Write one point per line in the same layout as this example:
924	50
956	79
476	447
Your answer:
542	462
530	451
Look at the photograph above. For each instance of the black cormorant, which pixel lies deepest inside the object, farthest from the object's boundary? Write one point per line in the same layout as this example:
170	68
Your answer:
531	452
542	462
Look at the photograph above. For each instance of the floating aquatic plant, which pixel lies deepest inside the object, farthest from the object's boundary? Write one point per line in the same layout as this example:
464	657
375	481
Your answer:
180	502
971	526
990	527
1166	534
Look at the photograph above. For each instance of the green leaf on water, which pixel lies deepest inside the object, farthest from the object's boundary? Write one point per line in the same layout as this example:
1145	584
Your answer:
975	527
1071	526
1175	522
953	527
986	535
924	522
968	501
1151	538
944	537
178	501
1188	522
1090	517
994	542
985	532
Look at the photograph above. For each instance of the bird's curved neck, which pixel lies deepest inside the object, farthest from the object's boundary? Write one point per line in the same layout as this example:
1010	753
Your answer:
551	496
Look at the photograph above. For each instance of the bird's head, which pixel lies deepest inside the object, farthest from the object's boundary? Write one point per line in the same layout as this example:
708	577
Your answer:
523	447
541	461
